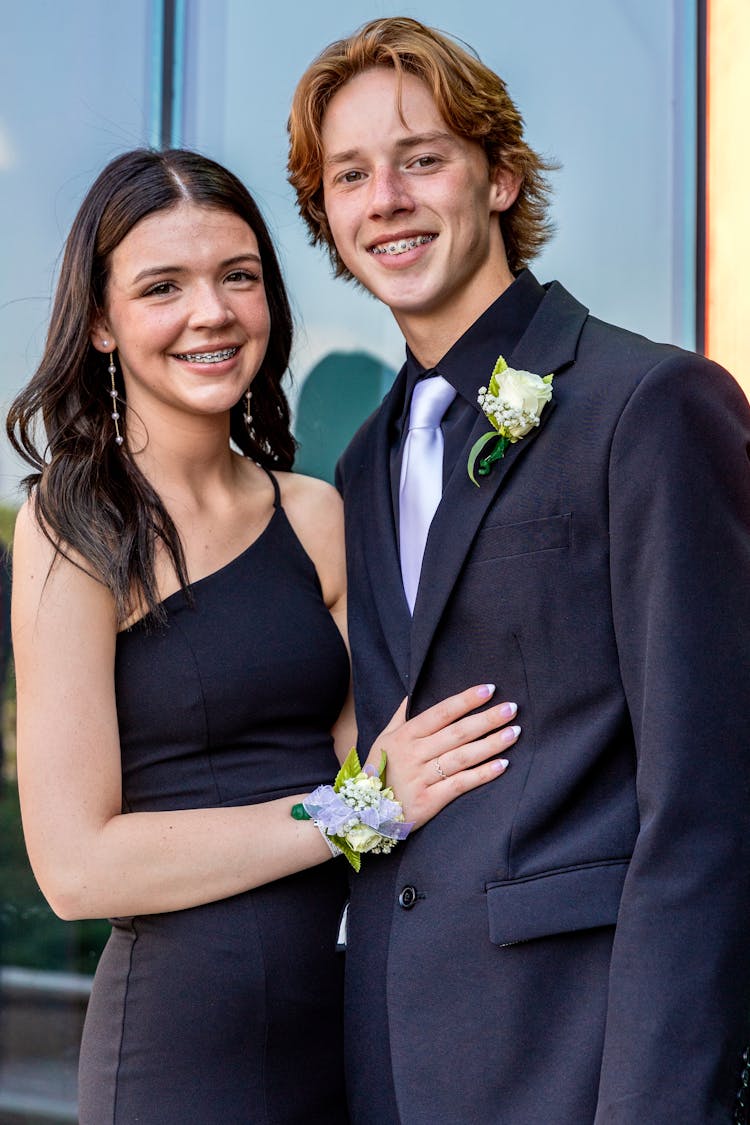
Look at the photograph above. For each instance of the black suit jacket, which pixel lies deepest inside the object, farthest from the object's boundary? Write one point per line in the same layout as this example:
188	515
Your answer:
569	943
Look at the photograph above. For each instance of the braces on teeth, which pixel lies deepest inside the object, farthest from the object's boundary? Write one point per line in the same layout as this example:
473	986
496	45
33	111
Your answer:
402	245
208	357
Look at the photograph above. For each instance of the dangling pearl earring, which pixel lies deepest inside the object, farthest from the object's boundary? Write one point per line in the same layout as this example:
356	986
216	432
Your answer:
248	416
113	395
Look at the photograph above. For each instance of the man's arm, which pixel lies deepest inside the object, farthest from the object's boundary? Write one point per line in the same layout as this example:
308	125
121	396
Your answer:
680	566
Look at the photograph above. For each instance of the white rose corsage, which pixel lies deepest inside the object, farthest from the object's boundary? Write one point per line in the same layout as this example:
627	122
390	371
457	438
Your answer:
358	813
513	403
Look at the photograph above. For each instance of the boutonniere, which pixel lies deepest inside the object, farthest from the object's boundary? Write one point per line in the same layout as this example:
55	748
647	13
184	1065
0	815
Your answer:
513	403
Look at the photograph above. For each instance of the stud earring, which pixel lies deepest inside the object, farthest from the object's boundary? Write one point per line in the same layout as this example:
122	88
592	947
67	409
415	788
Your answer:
113	395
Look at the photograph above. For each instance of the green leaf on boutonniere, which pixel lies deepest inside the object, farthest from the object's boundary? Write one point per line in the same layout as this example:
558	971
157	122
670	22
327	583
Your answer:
484	465
498	369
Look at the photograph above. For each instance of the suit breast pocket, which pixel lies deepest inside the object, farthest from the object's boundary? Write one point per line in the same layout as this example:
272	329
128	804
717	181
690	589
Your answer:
505	540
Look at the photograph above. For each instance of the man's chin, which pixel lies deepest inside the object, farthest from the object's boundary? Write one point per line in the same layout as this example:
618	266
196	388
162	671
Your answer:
401	298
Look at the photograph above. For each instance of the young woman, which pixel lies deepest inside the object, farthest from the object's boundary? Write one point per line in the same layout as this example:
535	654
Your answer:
179	634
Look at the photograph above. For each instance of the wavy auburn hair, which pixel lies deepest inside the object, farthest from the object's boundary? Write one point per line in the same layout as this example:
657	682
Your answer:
472	99
89	495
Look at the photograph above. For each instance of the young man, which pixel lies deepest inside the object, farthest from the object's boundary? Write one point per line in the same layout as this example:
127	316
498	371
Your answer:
570	943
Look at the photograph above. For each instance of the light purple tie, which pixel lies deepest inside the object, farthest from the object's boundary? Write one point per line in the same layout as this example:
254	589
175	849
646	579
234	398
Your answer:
421	485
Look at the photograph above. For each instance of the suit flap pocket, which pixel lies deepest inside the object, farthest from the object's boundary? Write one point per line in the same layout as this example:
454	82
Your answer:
557	902
499	541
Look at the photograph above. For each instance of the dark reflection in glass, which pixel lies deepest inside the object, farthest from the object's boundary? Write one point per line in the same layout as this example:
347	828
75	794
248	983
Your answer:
339	393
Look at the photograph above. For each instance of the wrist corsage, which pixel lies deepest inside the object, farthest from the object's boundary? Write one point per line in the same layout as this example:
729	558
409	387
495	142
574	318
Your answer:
358	813
513	403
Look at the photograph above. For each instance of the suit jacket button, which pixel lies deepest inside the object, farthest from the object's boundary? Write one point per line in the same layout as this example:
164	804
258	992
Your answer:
408	897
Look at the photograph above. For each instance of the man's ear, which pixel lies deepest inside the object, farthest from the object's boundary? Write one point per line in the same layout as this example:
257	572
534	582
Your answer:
100	336
504	188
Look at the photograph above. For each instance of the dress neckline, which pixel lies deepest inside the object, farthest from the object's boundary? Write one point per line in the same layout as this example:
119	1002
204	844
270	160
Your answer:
164	602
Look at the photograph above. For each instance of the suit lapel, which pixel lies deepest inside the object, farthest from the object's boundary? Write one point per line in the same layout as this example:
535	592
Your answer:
548	345
375	524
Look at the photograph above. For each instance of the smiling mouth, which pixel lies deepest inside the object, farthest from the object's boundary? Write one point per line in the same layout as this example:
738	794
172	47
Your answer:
402	245
208	357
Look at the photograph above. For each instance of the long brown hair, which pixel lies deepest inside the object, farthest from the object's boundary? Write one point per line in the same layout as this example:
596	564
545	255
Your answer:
472	100
88	492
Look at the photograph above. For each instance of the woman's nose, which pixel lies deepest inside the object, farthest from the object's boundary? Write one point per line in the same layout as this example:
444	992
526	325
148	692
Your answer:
210	307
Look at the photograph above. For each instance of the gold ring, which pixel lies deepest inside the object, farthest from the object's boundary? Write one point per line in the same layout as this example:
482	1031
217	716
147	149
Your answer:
439	768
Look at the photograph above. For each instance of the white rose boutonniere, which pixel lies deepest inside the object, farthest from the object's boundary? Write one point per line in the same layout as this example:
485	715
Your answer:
513	403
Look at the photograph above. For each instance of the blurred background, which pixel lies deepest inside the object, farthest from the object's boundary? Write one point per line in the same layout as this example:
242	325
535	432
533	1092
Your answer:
641	101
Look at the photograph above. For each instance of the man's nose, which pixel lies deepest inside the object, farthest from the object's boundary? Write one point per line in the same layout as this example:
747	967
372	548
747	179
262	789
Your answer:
389	192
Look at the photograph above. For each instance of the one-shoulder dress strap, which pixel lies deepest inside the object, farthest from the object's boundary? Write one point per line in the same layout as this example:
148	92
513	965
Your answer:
276	489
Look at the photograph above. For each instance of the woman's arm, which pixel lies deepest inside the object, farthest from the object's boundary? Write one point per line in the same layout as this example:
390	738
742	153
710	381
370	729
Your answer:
316	514
89	858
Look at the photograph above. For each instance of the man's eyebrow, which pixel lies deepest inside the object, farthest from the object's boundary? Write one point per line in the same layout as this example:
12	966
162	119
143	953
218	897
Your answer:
425	138
413	140
345	157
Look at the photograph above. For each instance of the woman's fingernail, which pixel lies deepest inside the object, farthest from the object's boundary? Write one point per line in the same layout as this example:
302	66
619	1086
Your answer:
508	710
485	691
500	765
513	731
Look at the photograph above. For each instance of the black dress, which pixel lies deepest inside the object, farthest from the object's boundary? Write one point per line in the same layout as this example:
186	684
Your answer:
229	1013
